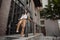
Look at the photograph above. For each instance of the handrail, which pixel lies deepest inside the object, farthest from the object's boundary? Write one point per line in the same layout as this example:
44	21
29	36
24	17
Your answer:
31	21
34	22
26	31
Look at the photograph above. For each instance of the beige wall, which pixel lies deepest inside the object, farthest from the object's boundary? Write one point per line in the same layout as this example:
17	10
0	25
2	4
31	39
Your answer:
52	28
36	18
4	15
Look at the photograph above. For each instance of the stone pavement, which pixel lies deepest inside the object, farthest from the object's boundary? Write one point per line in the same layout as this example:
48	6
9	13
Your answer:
18	37
38	36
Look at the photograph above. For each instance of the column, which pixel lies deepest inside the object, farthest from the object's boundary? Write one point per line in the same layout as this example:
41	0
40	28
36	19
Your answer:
4	12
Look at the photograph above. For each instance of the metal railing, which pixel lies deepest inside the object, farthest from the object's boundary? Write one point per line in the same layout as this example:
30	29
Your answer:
35	28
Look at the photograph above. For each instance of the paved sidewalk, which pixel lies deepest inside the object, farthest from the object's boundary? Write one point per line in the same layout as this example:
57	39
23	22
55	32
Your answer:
38	36
18	37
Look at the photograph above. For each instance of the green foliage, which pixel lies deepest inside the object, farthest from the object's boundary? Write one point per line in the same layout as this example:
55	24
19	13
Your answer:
52	10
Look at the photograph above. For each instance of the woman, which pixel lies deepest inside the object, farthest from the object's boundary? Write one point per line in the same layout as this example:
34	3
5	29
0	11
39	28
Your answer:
22	21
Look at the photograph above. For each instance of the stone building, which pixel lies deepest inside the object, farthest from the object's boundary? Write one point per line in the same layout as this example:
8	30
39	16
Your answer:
10	12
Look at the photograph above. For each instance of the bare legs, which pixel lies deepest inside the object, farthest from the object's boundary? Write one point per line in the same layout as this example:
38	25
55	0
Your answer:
18	25
23	26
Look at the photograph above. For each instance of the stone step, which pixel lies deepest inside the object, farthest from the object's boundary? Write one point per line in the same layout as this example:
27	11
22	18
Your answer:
18	37
37	36
49	38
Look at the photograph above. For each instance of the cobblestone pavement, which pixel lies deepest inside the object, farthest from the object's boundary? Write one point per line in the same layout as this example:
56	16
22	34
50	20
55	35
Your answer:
30	37
16	37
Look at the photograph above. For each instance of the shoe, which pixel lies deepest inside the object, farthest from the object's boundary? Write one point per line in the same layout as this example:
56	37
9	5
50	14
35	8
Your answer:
17	31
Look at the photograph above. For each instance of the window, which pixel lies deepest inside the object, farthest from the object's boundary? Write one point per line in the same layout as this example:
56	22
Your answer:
0	3
42	22
41	15
43	30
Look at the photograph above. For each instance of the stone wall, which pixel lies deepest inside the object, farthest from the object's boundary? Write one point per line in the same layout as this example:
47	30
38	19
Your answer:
52	28
4	11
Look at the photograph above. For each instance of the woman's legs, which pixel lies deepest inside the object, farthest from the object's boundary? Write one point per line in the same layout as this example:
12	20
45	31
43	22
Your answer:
23	27
18	25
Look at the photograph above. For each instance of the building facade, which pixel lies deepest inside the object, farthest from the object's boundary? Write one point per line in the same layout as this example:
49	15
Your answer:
11	11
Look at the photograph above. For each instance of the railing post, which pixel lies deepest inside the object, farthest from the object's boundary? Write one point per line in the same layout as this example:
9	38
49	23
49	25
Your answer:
26	29
34	29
